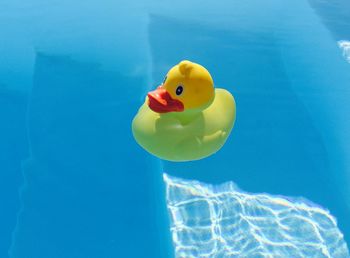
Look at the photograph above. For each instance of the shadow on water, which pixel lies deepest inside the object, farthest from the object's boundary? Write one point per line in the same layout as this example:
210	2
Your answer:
84	194
13	149
335	15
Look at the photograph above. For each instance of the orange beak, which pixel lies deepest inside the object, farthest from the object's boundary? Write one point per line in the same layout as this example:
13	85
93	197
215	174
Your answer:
160	101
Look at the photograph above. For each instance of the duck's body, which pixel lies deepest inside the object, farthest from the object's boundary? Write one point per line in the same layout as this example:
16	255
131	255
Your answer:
186	133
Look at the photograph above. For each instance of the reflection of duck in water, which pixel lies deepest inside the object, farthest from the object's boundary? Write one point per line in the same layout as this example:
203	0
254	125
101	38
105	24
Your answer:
185	118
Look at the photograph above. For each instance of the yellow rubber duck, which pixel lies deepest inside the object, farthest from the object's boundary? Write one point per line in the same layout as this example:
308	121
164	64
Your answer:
185	118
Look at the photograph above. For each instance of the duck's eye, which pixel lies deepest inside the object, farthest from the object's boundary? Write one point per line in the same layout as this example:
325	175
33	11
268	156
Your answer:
179	90
166	77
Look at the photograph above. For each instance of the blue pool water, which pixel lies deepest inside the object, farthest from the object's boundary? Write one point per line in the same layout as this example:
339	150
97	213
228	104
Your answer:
73	182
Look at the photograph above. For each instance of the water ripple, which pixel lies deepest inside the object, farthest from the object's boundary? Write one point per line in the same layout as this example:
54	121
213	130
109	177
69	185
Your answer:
223	221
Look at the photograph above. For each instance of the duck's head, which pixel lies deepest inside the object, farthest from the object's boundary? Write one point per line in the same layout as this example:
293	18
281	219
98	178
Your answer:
187	87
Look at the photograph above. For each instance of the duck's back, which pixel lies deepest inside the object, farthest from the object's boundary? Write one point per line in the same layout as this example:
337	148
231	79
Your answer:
221	114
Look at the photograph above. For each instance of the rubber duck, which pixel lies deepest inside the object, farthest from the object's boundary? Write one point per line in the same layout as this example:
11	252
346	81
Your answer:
185	118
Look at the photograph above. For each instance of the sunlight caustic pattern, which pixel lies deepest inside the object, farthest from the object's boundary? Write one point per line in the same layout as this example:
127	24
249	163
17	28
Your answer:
223	221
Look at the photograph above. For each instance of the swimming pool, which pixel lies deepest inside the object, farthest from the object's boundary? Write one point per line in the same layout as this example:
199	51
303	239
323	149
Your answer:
72	75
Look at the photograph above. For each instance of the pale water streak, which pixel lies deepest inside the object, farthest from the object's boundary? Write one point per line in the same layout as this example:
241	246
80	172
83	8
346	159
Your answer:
345	46
223	221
